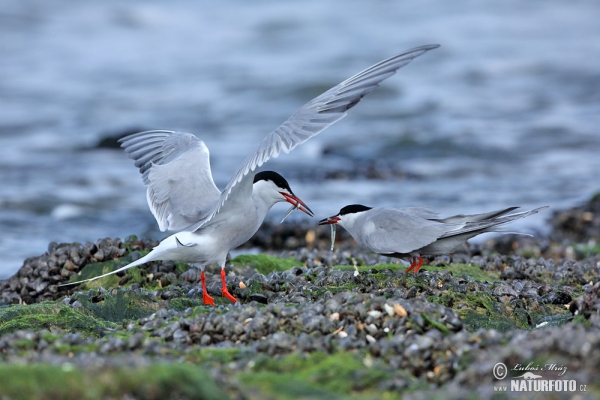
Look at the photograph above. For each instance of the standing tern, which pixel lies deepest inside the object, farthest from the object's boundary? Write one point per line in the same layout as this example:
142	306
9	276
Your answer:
410	233
182	195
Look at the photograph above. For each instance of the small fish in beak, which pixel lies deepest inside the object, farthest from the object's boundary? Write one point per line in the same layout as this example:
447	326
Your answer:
292	208
297	204
331	221
332	226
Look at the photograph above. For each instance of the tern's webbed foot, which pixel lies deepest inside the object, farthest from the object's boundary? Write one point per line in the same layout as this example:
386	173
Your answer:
224	290
208	300
415	264
228	295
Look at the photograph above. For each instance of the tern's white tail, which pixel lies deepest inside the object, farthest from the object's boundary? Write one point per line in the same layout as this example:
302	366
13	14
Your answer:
147	258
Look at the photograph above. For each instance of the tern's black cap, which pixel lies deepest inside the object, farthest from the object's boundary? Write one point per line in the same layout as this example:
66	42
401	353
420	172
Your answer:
353	208
273	177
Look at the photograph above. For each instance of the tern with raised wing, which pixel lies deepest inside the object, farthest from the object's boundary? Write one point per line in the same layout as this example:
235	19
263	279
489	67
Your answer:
414	232
182	195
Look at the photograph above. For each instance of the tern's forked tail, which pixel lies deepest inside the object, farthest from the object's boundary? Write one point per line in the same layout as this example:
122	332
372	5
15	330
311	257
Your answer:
147	258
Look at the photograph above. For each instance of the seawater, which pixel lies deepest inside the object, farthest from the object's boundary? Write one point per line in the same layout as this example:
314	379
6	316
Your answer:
505	113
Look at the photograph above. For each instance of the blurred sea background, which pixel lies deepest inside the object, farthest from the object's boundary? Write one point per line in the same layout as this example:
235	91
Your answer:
506	112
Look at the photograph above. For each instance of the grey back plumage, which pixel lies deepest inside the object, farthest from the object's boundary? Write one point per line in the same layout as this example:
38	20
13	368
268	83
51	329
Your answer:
391	230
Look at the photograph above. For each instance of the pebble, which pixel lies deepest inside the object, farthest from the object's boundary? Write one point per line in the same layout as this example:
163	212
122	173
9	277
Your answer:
389	315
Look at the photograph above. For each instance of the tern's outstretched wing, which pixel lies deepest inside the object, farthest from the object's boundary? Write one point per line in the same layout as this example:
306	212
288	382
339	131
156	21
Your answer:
175	167
316	115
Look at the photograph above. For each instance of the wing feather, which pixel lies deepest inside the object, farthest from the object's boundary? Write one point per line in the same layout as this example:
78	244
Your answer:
175	167
490	221
389	230
315	116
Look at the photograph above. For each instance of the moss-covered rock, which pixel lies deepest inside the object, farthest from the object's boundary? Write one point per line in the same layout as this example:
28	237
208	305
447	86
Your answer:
297	331
264	263
117	305
49	315
66	381
317	376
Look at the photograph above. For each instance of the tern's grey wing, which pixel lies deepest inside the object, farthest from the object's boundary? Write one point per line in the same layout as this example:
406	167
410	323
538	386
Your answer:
175	167
461	218
388	230
478	226
420	212
318	114
471	226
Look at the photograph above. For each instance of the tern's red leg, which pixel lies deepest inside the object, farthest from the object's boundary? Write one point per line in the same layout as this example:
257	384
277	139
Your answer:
415	264
208	300
418	265
224	290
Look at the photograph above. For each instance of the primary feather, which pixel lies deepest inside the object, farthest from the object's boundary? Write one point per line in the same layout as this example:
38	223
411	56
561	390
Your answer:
318	114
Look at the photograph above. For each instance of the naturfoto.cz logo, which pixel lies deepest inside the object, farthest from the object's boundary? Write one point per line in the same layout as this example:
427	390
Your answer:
530	381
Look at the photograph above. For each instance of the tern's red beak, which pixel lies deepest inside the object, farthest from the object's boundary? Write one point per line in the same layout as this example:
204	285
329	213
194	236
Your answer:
295	201
329	220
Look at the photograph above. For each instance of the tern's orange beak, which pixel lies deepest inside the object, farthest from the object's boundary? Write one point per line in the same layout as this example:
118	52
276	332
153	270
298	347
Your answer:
330	220
295	201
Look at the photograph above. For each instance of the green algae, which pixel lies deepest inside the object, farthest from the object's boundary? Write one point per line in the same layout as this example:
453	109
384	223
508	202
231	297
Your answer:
470	270
266	264
370	268
587	250
482	310
183	303
216	356
96	269
95	313
133	275
333	289
118	304
582	320
49	315
318	375
435	324
474	320
66	381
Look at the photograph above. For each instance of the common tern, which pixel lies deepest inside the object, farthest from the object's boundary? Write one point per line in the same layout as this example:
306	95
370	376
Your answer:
182	195
410	233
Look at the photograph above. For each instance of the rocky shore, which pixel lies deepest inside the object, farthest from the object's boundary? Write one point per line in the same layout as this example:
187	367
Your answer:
309	323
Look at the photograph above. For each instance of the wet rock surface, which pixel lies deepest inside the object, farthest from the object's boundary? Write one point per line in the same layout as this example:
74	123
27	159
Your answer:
579	224
343	323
